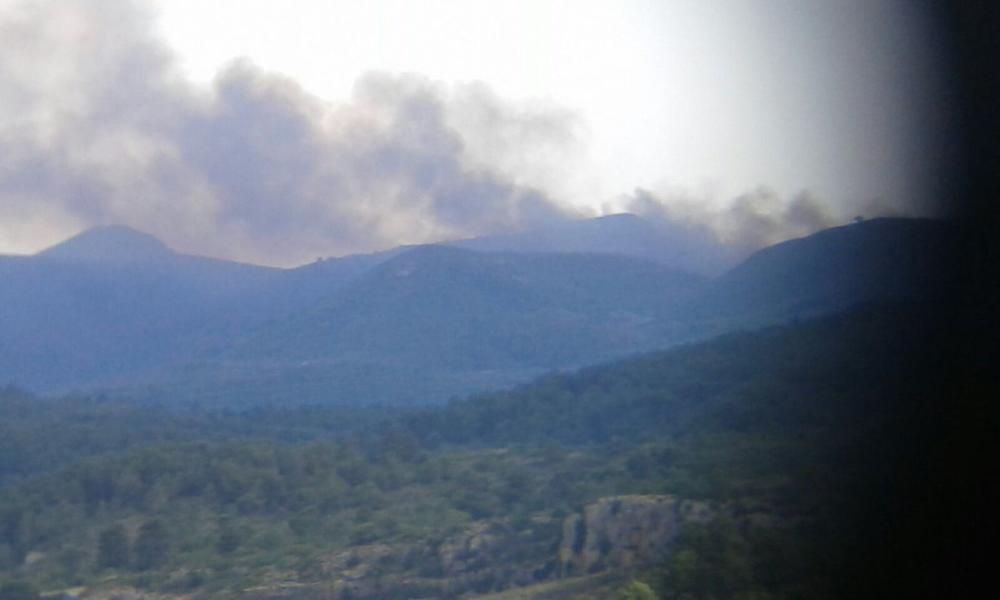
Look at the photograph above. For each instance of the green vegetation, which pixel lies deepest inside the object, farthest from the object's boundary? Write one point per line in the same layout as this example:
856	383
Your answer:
233	507
800	379
38	435
774	431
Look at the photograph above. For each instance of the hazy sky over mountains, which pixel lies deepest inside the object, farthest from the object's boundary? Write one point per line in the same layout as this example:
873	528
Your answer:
357	126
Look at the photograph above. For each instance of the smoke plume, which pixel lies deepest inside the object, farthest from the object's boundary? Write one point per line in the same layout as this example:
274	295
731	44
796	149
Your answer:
97	126
748	222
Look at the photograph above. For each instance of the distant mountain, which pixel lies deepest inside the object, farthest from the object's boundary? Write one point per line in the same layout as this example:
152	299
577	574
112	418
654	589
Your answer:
675	246
435	321
876	261
505	304
111	302
113	243
115	307
302	287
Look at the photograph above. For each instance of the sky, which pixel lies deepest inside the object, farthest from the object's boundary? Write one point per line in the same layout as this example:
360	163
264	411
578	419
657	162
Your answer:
276	133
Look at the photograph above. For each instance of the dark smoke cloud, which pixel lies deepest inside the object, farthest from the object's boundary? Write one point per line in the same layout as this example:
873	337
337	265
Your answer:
748	222
96	126
761	217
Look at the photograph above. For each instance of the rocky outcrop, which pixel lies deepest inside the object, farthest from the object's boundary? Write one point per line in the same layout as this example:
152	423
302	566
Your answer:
483	557
472	550
624	532
609	538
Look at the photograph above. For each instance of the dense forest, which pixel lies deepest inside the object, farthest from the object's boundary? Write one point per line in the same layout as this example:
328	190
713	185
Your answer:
782	436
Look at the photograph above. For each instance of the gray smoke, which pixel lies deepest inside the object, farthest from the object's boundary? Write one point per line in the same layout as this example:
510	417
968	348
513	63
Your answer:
748	222
97	127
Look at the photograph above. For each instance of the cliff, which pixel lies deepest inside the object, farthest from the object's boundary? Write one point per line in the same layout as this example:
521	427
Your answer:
624	532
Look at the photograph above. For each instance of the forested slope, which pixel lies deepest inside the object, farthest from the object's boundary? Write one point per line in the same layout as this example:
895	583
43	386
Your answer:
783	435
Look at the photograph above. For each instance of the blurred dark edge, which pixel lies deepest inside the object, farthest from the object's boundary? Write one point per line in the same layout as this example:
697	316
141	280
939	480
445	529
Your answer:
931	500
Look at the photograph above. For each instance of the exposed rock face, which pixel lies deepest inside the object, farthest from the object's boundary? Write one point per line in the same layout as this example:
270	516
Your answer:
623	532
485	556
489	556
470	551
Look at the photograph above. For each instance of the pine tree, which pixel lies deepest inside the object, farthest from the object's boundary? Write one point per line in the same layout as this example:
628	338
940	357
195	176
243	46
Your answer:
151	545
113	548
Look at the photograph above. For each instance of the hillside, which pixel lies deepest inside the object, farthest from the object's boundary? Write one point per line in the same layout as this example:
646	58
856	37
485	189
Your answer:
769	436
436	322
113	305
116	309
878	260
779	379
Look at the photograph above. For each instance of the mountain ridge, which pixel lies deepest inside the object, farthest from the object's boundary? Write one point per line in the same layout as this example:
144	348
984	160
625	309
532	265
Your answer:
414	324
624	234
678	246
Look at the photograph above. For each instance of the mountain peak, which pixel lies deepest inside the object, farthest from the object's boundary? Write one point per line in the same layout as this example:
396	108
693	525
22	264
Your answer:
109	243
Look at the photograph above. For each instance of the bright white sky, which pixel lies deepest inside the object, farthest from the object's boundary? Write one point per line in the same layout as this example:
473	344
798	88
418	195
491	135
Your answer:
712	98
